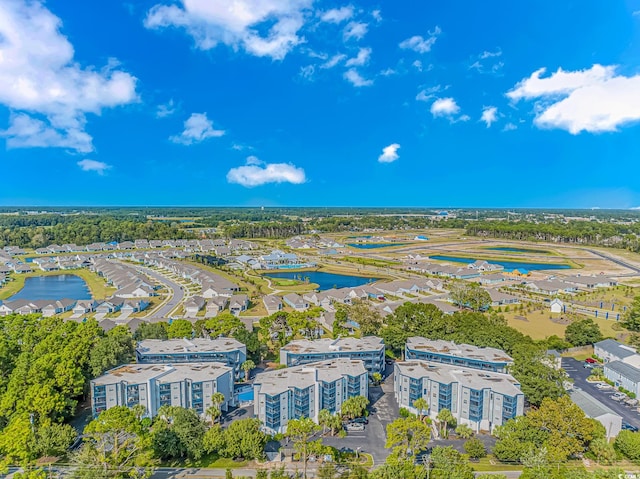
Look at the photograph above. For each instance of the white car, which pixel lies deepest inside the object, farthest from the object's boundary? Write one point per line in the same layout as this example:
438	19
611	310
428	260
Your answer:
353	426
603	386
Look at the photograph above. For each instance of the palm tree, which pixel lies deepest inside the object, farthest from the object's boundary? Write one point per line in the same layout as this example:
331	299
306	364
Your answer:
247	366
445	417
324	419
215	411
377	378
421	405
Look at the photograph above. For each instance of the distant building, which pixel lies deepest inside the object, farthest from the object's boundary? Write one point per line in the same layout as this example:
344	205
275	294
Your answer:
594	409
302	391
228	351
610	350
623	375
556	306
482	400
189	385
369	350
464	355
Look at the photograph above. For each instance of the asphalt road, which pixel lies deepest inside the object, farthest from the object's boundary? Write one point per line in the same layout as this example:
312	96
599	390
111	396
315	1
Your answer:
576	370
177	294
617	261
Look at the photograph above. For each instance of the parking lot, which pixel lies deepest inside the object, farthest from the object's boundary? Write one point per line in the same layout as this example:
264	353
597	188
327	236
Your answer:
576	371
383	410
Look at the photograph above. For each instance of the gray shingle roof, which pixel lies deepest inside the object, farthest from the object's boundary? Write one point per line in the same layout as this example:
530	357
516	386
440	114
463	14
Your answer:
590	405
624	369
615	348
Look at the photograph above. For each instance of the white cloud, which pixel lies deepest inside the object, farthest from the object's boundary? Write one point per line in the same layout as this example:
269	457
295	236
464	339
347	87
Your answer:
593	100
93	165
337	15
38	76
256	173
419	44
307	72
376	15
27	132
487	62
264	28
334	61
510	127
489	115
446	107
361	59
355	30
387	72
166	109
428	94
356	79
417	65
389	153
196	129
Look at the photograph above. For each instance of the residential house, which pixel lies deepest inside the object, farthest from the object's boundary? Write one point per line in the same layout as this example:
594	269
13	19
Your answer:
215	306
609	350
272	303
296	302
193	305
238	303
58	307
594	409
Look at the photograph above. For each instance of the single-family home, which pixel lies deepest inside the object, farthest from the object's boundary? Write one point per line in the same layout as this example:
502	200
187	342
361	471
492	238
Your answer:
272	303
58	307
238	303
297	302
193	305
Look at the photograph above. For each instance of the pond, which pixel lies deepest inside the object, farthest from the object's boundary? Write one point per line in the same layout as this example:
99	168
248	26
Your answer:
508	265
53	288
325	280
517	250
374	245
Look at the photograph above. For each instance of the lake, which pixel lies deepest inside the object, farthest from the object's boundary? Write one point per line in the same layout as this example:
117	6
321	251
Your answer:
517	250
53	288
325	280
507	265
374	245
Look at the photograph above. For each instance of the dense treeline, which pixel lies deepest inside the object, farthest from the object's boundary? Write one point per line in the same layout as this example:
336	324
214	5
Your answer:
36	231
572	232
264	229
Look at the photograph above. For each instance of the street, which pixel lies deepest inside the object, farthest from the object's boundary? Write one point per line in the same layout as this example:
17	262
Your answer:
576	371
176	293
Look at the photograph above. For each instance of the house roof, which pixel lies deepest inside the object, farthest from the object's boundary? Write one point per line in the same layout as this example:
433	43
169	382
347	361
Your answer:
305	346
449	348
589	405
615	348
624	370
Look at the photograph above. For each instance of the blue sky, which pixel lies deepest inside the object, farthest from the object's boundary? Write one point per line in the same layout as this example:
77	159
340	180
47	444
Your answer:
320	103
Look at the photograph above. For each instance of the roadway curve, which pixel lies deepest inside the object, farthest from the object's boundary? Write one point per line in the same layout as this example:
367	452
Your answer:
177	294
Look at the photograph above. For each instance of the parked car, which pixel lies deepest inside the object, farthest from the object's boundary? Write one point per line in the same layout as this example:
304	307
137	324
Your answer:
352	426
591	361
359	420
618	396
629	427
589	366
631	402
603	386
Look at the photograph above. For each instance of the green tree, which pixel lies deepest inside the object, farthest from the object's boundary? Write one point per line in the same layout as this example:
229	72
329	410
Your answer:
214	440
54	439
300	431
603	451
244	439
114	445
628	444
470	295
410	319
324	419
377	378
631	319
447	463
151	331
463	431
583	332
178	432
537	378
445	419
368	319
180	328
422	406
17	440
247	366
116	348
407	436
215	410
475	448
355	406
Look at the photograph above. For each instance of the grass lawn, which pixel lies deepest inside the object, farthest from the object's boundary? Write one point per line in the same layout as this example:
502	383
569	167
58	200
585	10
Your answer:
368	261
490	463
213	461
97	286
539	326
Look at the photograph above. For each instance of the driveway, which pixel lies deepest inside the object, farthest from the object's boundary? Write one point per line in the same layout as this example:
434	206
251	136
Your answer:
576	371
382	411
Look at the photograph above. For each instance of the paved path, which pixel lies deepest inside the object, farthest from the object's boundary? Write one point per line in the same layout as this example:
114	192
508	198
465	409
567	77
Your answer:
177	294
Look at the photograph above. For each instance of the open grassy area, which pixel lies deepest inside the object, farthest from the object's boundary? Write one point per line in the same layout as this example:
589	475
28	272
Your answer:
97	286
539	325
490	463
368	261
